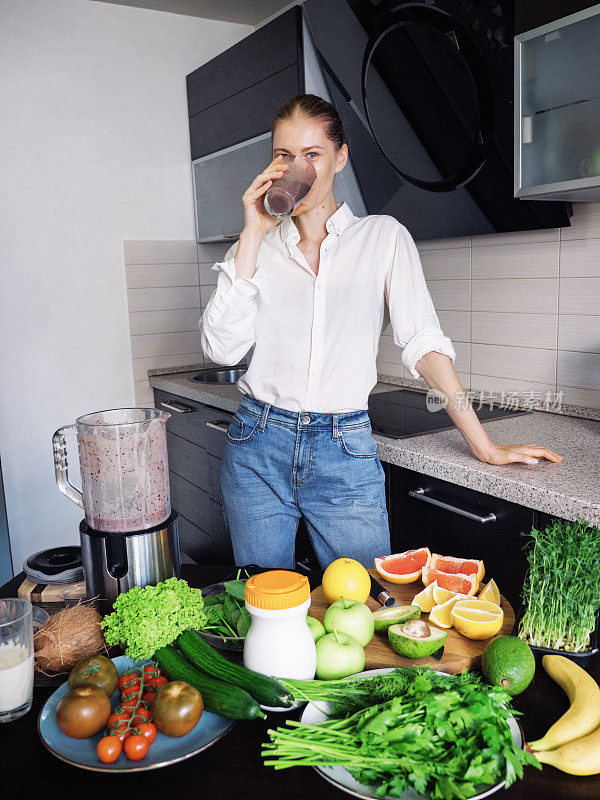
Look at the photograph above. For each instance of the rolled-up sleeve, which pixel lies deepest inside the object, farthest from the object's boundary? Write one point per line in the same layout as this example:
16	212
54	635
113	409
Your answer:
227	325
415	325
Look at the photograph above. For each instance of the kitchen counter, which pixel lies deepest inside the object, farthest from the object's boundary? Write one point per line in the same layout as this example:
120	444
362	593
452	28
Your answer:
233	767
570	489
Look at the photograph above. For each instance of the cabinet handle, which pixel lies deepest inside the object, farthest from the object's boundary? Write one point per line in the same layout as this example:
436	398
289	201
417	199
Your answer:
218	426
180	408
230	235
419	494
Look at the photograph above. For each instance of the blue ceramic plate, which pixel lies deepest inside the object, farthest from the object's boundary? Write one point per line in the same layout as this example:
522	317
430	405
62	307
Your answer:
165	750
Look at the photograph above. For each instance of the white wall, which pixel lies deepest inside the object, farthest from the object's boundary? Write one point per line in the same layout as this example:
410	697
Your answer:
94	150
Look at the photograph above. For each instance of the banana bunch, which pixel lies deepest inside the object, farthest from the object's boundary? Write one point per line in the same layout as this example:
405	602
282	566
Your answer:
572	744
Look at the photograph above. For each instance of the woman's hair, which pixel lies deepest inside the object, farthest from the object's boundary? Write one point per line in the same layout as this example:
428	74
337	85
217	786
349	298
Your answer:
316	108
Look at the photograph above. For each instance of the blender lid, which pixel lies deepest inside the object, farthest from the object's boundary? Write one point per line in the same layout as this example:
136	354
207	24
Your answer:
56	565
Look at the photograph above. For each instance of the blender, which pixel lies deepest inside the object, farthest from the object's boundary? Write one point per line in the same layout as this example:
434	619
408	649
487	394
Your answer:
129	536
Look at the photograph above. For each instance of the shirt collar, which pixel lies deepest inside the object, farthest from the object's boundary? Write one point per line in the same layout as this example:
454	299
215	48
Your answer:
339	220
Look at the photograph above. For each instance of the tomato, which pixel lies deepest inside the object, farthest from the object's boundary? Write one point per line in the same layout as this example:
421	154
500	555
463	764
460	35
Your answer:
83	711
130	703
148	698
109	749
114	720
151	670
128	680
147	729
122	731
141	714
131	692
177	708
136	747
154	684
95	671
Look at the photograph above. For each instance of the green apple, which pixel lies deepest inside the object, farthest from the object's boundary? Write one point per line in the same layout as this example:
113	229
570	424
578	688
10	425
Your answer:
316	627
352	617
338	655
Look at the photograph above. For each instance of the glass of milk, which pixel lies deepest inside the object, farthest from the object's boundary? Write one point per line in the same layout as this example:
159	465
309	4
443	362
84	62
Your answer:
16	659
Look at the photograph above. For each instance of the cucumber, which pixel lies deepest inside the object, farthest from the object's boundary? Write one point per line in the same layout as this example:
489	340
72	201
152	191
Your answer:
219	697
266	690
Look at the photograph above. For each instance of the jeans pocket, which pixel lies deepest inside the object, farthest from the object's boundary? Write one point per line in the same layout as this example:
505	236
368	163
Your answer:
358	442
240	431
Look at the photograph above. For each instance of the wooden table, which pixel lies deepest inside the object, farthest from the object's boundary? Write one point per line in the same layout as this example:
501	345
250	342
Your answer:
232	769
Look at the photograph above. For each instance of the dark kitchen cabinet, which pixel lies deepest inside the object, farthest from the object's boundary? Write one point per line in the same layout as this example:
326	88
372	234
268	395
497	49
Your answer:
234	96
529	15
416	522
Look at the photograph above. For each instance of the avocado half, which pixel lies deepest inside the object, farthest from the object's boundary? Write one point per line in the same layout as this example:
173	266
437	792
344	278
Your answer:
384	617
408	641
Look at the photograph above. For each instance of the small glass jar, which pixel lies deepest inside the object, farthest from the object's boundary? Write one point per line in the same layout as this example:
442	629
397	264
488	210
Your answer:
279	642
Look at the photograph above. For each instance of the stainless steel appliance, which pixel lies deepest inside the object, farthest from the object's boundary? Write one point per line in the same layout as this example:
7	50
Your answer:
129	536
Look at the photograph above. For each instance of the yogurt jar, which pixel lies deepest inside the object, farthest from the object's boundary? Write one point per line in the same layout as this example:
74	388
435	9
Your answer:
279	642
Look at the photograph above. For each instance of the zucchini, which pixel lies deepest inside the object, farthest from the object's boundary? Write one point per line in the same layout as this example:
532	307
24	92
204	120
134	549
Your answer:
219	697
266	690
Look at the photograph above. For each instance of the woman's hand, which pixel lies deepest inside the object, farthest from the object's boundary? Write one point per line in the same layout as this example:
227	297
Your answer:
255	216
524	453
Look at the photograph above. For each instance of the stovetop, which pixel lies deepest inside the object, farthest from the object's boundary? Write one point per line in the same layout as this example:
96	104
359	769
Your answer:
404	412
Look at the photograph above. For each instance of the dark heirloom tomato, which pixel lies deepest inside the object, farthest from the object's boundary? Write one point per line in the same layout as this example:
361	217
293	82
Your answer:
83	711
177	708
95	671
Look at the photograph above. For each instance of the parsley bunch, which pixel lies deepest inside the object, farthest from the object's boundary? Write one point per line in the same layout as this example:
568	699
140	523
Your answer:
449	739
143	620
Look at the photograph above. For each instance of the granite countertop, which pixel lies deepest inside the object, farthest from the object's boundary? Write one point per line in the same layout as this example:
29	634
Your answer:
570	489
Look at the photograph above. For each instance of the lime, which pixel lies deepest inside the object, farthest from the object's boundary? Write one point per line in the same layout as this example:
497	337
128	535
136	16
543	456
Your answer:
508	662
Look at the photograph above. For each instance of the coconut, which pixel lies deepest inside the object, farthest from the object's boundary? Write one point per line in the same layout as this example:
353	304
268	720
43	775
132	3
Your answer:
67	637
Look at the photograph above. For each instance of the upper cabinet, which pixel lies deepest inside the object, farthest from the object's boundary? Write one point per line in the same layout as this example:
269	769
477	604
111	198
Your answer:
557	109
235	96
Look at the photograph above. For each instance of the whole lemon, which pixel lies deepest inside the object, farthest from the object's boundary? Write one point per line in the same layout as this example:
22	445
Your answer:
347	578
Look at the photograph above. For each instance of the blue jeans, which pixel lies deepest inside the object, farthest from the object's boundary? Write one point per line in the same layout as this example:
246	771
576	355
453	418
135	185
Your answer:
282	465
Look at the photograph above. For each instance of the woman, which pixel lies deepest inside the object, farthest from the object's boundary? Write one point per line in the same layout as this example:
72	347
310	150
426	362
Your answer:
313	296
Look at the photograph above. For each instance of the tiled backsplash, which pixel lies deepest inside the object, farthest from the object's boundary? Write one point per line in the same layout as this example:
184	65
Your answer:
168	283
522	309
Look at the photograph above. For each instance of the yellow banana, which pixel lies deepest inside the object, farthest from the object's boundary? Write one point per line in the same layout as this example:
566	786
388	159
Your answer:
581	757
583	715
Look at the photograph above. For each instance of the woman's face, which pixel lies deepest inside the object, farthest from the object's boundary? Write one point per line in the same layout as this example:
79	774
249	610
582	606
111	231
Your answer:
303	137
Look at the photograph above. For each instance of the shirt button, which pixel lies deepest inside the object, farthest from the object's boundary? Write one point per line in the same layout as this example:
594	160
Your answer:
305	419
318	285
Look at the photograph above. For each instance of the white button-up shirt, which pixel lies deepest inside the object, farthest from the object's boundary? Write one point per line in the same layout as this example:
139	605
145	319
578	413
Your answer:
316	338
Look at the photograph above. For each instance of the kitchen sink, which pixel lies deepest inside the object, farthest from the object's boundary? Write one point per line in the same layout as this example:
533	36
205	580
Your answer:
219	375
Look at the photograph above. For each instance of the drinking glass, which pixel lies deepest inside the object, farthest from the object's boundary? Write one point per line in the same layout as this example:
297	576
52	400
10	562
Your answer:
16	658
286	193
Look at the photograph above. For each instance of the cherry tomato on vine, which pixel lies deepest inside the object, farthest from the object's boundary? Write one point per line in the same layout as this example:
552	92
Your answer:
109	749
131	702
114	720
130	692
122	731
136	747
148	698
141	714
147	729
128	680
151	669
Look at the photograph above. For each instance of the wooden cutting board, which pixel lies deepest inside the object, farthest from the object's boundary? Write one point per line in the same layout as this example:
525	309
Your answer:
460	653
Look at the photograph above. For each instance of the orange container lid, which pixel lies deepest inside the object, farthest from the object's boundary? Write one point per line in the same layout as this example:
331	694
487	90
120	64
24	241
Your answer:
277	589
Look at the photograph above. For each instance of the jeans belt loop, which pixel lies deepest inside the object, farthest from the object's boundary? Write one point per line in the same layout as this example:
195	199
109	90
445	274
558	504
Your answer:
335	426
265	414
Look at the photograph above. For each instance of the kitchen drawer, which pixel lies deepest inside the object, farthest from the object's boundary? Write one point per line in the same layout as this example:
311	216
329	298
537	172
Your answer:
197	506
268	50
189	461
192	425
204	549
243	116
417	523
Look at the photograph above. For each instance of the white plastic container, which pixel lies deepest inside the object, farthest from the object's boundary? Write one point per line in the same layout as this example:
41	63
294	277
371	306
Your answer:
279	642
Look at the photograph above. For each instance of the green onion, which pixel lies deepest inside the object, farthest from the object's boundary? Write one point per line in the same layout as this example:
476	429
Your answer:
561	592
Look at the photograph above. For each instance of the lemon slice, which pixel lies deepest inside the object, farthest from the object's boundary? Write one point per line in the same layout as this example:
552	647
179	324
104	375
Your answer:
490	592
425	599
441	595
440	614
477	619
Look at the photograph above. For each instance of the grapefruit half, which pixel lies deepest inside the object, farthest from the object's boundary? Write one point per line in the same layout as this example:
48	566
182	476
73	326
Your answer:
466	566
403	567
453	581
